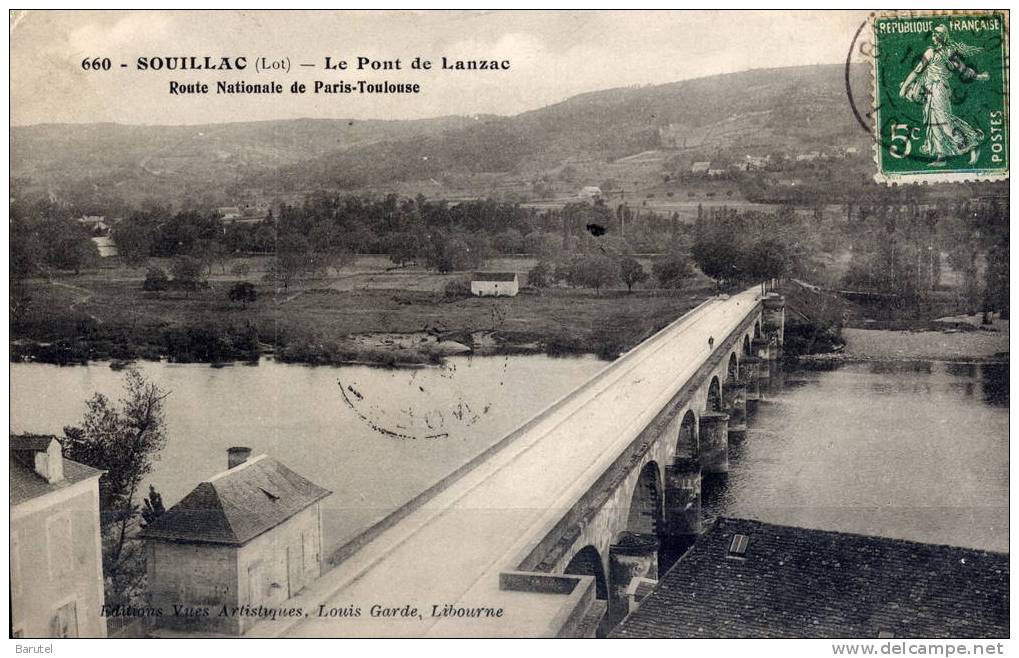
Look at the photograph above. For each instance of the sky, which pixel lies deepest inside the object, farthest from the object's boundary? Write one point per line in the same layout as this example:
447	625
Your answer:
553	56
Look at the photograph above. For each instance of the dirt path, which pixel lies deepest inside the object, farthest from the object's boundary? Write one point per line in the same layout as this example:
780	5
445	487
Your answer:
87	295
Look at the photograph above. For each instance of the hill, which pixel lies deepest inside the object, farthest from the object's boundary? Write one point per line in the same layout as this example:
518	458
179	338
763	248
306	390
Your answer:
788	110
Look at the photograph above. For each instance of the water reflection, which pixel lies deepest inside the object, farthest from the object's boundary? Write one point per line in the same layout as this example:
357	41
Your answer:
994	377
914	450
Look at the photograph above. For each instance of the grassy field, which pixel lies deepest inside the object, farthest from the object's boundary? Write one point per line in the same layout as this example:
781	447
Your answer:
346	317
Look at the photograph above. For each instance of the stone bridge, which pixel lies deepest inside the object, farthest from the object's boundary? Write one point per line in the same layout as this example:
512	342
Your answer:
560	528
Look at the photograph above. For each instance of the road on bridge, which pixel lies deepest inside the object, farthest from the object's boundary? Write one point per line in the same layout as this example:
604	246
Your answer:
452	548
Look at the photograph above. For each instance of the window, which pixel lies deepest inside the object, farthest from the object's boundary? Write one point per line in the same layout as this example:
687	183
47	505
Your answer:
738	546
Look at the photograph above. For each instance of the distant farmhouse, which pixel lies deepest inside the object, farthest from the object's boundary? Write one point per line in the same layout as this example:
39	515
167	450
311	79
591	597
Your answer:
229	212
700	167
94	223
589	192
56	559
747	578
495	284
107	248
249	536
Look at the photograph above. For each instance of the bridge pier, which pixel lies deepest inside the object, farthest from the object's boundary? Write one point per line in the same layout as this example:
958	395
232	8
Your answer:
750	370
735	398
762	351
633	561
774	316
683	501
714	455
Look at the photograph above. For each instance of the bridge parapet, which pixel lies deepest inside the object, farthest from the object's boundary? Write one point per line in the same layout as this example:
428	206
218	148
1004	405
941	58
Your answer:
621	454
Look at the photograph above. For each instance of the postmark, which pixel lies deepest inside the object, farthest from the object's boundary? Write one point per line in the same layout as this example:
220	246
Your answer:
940	101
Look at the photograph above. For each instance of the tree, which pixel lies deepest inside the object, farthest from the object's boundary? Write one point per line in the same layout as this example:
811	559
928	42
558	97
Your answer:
632	272
596	272
403	247
73	253
292	259
121	439
187	273
134	239
156	279
765	260
672	271
509	241
542	244
718	258
153	507
243	292
211	252
542	275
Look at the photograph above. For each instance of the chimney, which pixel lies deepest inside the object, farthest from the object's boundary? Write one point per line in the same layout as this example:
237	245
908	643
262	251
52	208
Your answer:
49	463
236	456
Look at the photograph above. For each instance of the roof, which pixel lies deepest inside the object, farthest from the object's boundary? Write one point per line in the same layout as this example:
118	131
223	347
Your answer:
494	276
800	583
31	442
237	505
25	483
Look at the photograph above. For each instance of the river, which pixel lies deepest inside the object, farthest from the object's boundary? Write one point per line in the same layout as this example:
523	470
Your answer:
914	450
907	449
387	436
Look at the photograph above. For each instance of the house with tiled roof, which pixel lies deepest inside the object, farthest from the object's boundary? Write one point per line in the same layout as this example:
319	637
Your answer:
55	547
248	538
747	578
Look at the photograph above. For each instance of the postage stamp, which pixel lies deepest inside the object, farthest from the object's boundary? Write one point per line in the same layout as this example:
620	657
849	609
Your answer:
941	96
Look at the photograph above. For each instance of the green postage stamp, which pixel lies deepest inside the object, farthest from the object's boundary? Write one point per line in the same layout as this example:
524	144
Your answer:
941	96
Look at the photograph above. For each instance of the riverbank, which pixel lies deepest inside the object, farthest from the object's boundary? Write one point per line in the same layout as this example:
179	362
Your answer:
877	344
986	345
88	318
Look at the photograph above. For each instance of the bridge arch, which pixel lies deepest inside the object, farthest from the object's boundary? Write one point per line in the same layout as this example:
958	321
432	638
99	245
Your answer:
714	402
686	444
746	345
587	562
647	502
757	330
732	371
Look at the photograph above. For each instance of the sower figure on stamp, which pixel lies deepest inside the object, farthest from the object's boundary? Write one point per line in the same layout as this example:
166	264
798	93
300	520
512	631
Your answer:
928	83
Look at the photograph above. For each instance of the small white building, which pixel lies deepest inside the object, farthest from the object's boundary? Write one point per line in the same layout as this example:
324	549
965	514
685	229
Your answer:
106	246
589	192
495	284
700	167
229	212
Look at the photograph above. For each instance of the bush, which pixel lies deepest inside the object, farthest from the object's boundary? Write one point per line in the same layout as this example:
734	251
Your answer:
672	271
187	273
156	279
541	275
457	289
242	292
631	272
